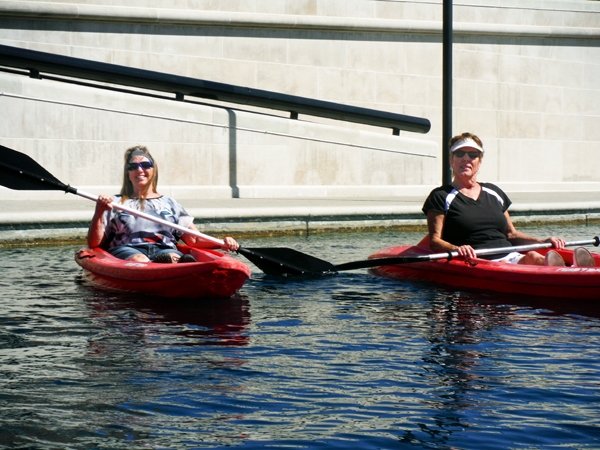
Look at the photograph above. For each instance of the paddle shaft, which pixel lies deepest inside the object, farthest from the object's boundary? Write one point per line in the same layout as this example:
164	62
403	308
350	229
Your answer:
376	262
257	256
155	219
518	248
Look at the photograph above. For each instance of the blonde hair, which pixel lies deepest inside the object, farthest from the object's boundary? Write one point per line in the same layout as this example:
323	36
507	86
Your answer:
127	187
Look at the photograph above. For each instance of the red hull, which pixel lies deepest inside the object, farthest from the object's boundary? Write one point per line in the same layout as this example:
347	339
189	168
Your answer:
563	282
215	275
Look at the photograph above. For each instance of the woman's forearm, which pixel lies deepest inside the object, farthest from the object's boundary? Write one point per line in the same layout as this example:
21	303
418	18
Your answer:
518	238
439	245
95	232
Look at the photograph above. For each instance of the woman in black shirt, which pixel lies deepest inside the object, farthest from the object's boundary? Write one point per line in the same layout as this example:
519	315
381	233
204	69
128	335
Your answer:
468	215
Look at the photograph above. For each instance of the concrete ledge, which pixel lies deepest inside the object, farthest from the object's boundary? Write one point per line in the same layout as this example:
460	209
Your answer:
57	11
42	236
74	233
572	218
372	209
65	221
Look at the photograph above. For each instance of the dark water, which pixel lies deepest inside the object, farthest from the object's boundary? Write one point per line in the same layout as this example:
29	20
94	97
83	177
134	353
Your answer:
351	361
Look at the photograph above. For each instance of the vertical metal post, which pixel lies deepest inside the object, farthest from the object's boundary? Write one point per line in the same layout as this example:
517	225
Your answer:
447	92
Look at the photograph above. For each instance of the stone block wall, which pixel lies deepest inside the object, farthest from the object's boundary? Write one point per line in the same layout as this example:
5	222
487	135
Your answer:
525	80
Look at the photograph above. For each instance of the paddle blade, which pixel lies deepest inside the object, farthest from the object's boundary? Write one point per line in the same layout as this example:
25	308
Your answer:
284	261
18	171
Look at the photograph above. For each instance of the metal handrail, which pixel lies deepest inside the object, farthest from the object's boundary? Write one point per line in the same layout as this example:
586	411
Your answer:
36	63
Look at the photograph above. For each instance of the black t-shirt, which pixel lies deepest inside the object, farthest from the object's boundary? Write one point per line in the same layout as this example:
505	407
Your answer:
479	223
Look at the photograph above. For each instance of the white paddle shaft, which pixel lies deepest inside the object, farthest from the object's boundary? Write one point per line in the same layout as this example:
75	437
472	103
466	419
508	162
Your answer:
143	215
517	248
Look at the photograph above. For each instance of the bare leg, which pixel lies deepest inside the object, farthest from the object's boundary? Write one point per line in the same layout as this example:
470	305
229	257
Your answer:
532	259
139	258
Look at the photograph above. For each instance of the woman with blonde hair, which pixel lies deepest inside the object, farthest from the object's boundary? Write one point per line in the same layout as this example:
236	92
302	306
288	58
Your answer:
129	237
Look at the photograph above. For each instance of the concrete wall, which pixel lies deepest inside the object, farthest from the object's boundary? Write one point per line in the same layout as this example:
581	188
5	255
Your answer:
526	80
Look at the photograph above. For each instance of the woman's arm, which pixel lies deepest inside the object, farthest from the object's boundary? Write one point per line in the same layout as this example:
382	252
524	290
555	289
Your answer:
194	241
435	224
516	237
96	232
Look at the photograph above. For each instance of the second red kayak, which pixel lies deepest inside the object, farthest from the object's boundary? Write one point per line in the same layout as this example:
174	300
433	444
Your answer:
565	282
214	275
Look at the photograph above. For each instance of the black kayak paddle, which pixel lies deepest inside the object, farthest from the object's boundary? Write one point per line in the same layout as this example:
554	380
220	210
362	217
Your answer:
20	172
316	266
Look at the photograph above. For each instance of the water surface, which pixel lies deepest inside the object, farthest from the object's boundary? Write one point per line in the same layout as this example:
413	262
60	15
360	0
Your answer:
350	360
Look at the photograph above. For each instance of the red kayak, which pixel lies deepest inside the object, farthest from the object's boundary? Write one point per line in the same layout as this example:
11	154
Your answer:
214	275
566	282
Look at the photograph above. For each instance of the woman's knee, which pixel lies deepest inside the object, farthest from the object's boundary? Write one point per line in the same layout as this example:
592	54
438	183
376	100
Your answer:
533	259
139	258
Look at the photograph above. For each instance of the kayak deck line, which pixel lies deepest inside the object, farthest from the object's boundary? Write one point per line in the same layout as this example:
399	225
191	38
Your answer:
579	269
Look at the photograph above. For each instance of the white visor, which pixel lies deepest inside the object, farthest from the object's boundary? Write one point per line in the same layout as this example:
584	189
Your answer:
465	143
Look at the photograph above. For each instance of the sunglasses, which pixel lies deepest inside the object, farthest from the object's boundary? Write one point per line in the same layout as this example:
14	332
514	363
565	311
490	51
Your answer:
472	155
144	165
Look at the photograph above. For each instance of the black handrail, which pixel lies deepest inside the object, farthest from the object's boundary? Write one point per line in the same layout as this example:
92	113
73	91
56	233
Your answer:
37	62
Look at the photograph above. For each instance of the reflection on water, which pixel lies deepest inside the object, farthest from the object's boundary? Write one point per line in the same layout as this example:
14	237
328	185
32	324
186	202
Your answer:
350	360
218	322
